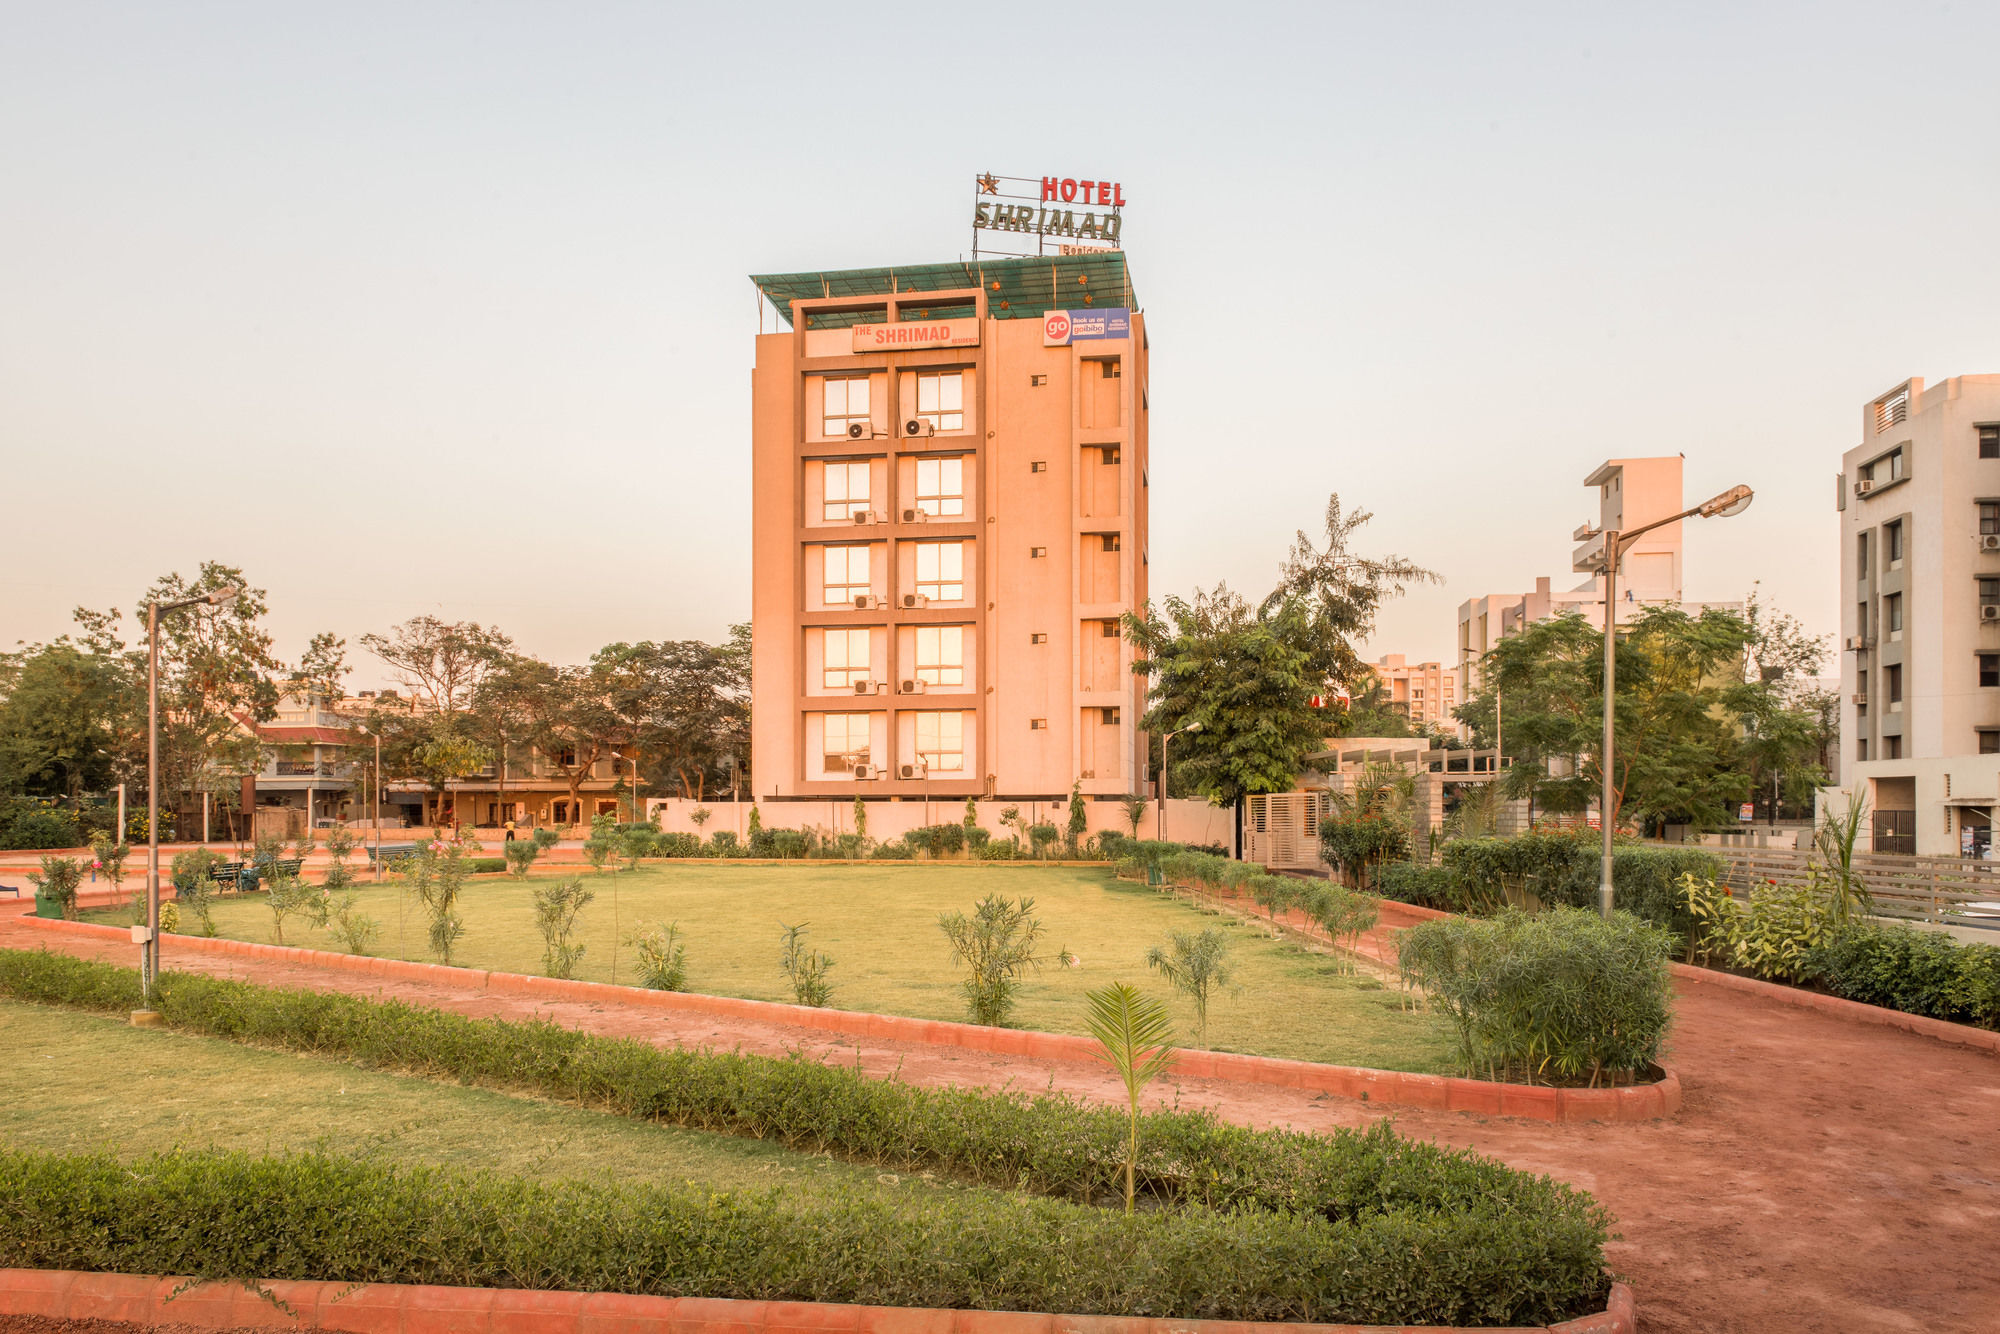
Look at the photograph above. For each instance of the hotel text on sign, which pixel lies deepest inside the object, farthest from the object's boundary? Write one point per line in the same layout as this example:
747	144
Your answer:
915	334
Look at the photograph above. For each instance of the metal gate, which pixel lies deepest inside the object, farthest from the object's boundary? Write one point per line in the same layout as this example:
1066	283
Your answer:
1281	829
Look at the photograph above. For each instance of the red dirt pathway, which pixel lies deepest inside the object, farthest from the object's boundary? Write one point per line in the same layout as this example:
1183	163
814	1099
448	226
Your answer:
1823	1175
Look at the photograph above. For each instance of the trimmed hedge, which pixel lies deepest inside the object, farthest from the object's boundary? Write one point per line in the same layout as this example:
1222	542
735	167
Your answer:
1561	867
306	1216
1344	1216
1425	886
1918	972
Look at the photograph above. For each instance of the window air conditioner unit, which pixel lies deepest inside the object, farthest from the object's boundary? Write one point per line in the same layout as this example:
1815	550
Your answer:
916	599
1861	700
864	687
912	771
1863	487
1090	773
913	687
863	516
864	772
918	426
855	430
866	602
915	516
1989	541
1990	612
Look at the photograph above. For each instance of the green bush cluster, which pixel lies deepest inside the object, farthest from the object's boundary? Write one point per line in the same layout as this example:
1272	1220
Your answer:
27	824
1425	886
310	1216
1357	844
1918	972
1251	1224
1562	868
1555	997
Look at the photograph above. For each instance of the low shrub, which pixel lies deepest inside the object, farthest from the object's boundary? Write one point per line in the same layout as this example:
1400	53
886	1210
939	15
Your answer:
520	856
1556	997
724	844
309	1216
997	850
1562	867
662	956
30	828
1344	914
59	879
682	844
488	865
1425	886
806	968
1357	844
1395	1231
1529	1246
1918	972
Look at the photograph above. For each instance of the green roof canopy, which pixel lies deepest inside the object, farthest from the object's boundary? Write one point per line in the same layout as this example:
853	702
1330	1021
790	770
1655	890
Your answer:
1015	288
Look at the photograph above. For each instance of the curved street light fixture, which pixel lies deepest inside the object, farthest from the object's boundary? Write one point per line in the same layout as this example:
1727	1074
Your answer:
148	936
1616	543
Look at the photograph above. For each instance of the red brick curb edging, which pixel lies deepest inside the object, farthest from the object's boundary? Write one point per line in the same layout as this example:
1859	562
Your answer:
1642	1102
392	1308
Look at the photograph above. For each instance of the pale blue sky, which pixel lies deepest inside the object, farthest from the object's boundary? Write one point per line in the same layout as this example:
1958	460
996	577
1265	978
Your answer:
437	307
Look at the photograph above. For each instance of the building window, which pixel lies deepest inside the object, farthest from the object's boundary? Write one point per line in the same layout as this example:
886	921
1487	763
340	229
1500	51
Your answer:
845	742
1892	748
1892	540
1861	557
1110	454
1111	368
845	575
941	655
941	571
1892	612
941	400
1891	410
1989	442
1989	592
1111	541
1038	638
1037	381
1861	621
1109	717
1861	749
1036	553
941	741
1110	629
1892	683
846	491
1989	669
1989	741
1038	465
941	486
1038	724
845	658
566	757
844	403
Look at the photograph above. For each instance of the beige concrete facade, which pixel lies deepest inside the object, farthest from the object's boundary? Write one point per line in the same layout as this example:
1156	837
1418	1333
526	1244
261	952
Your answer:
1630	494
949	518
1919	504
1427	692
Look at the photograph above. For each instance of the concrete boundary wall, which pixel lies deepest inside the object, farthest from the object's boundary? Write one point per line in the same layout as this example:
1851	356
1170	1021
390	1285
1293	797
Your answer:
1186	821
1394	1088
393	1308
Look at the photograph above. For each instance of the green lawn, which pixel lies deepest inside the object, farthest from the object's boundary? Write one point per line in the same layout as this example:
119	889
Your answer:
84	1083
880	925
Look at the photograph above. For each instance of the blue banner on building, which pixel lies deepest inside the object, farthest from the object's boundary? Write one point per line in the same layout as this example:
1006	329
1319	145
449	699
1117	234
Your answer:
1061	327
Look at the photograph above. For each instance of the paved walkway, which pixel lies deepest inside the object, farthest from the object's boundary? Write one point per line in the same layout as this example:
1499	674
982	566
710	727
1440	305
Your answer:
1823	1175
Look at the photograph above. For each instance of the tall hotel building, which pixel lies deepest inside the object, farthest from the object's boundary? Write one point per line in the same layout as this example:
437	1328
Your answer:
949	519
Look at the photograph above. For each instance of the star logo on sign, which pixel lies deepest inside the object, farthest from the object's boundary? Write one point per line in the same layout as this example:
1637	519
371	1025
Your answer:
989	184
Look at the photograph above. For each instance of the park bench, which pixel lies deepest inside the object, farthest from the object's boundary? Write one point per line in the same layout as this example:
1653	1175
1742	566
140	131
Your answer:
391	851
246	879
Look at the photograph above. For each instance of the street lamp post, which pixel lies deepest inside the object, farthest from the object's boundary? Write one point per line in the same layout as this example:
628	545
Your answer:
149	945
1616	543
1164	739
377	821
634	761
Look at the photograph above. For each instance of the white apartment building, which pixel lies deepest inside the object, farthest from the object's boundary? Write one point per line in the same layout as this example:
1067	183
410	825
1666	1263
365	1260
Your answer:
1427	692
1919	505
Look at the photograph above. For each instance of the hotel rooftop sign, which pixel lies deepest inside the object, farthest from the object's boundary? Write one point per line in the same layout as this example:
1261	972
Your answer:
1062	215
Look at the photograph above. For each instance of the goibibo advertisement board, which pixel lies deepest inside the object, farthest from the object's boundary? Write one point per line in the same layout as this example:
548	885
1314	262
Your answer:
1060	328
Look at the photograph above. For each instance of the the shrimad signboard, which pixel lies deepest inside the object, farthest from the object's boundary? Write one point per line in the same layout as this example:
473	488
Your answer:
1063	215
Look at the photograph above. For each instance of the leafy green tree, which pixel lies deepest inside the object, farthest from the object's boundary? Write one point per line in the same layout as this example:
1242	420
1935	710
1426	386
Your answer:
1370	712
1244	678
65	715
439	662
1340	593
558	904
1136	1041
999	944
1135	811
1197	964
1079	818
684	704
447	753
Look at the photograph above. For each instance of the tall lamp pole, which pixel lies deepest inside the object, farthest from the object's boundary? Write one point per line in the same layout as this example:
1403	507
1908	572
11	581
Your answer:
634	760
1164	739
1616	543
149	936
377	821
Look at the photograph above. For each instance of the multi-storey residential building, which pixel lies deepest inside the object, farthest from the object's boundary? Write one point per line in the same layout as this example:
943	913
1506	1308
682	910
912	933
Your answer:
949	518
1425	691
1920	614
